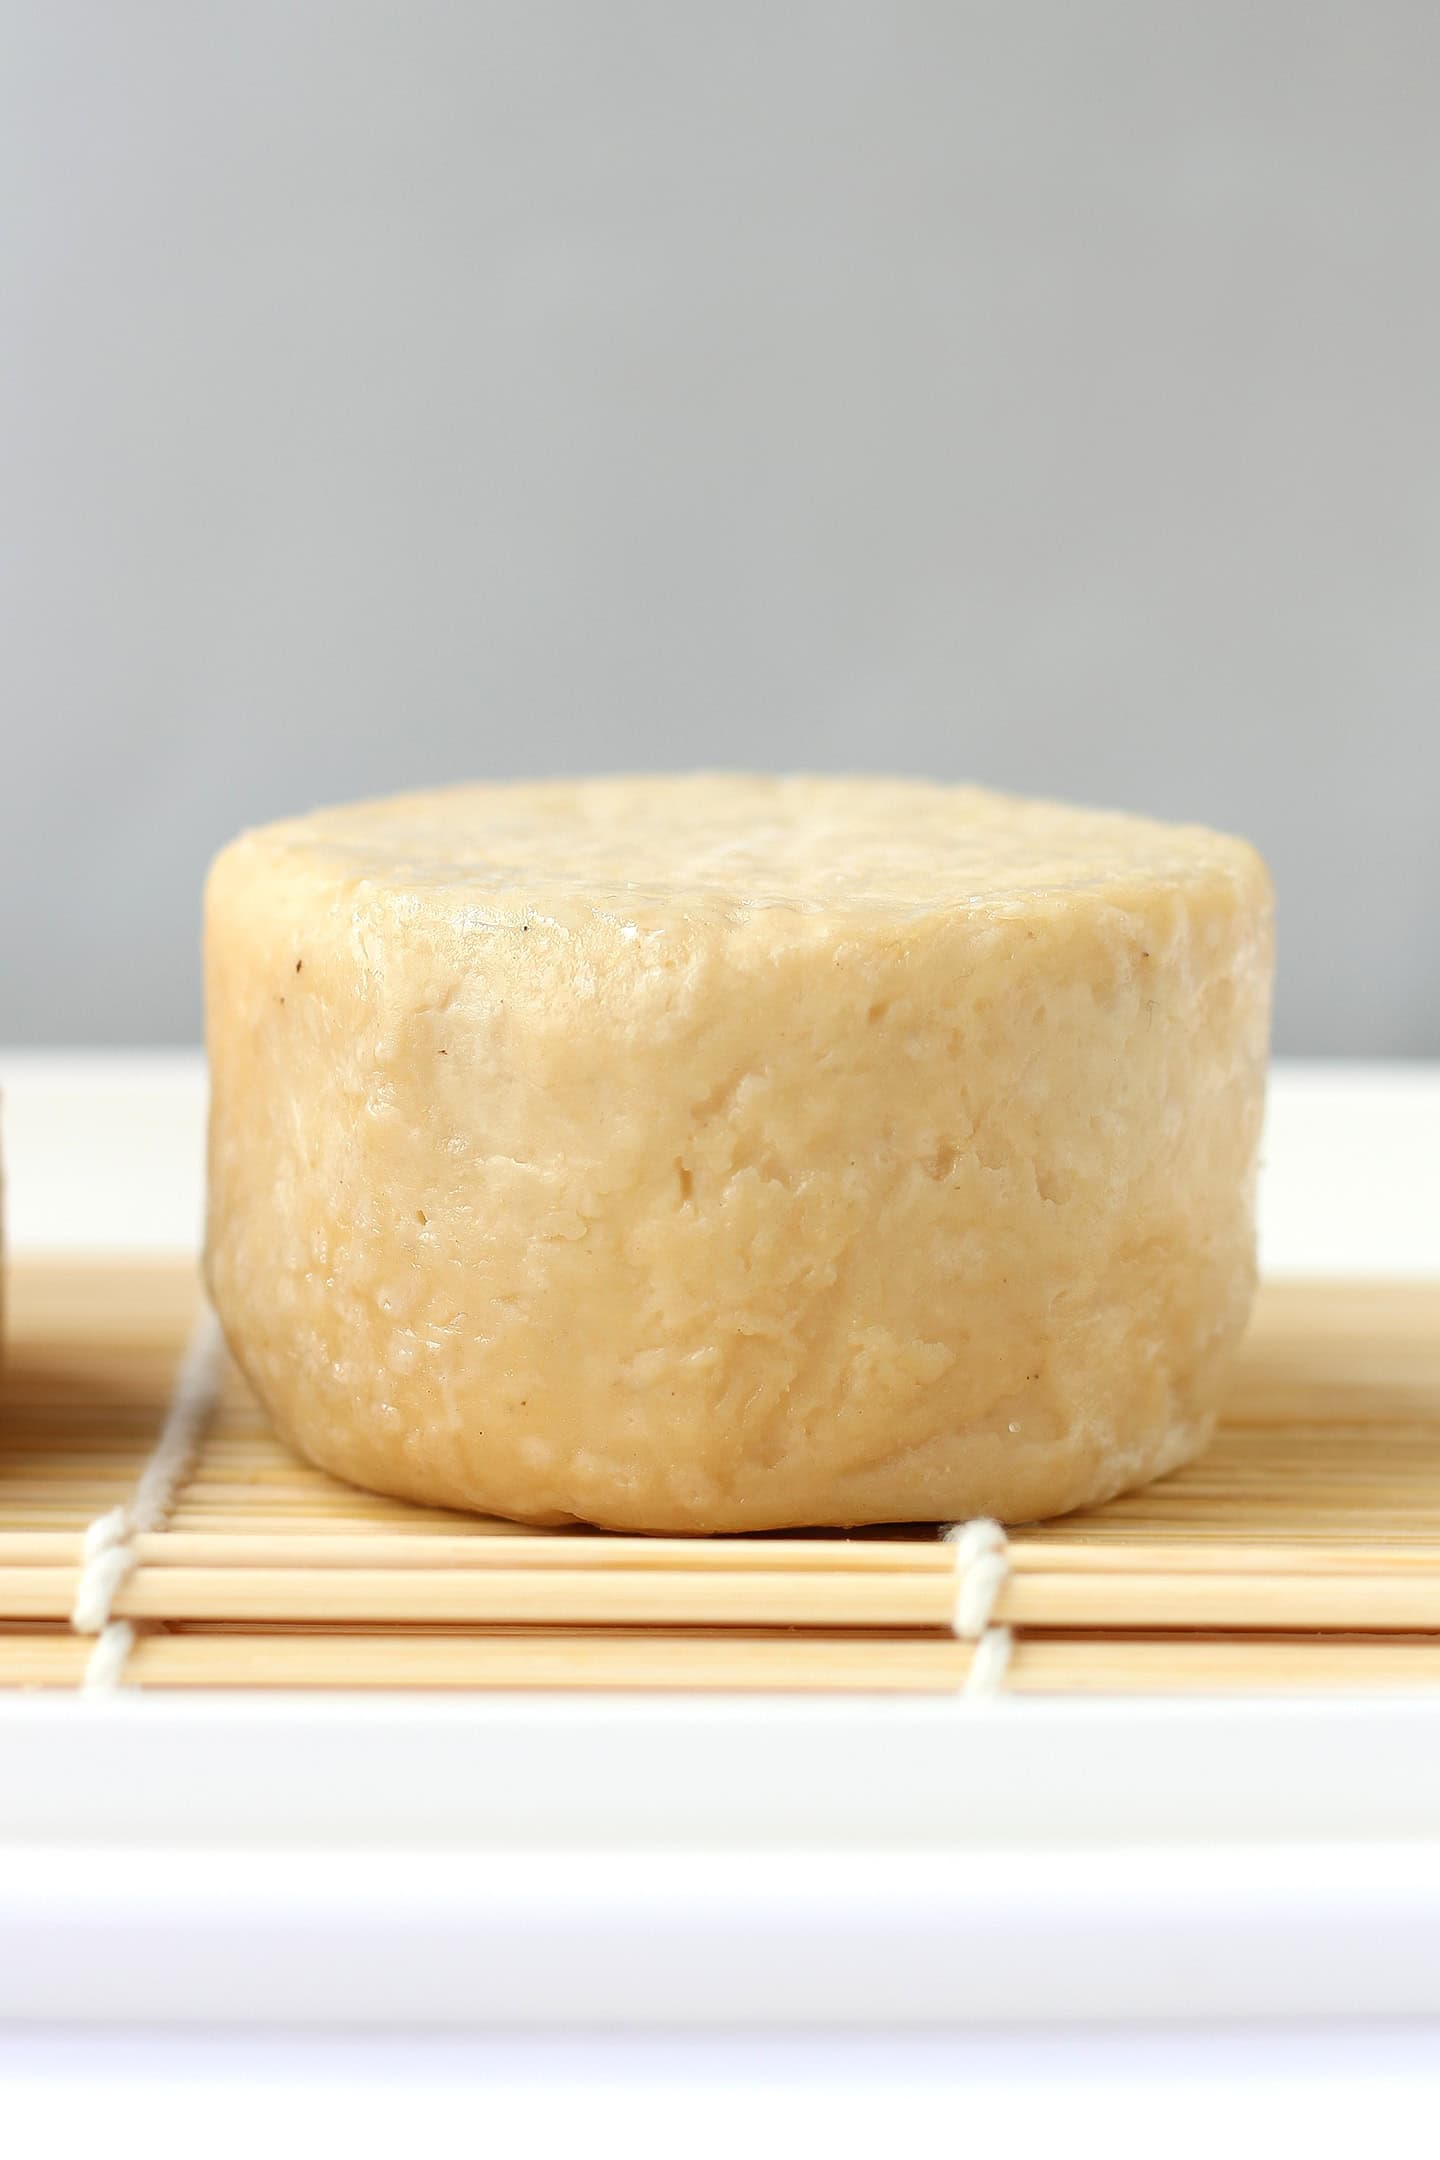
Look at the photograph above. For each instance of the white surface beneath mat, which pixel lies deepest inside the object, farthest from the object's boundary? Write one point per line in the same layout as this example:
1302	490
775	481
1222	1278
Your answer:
493	1862
1007	2095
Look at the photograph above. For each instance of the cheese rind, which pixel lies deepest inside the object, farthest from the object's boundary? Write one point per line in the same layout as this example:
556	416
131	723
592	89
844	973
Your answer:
732	1154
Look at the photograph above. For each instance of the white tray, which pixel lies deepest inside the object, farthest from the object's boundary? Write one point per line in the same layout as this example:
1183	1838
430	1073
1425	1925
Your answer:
666	1862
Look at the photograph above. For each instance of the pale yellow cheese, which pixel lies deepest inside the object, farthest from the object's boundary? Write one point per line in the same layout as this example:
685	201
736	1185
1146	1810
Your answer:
724	1154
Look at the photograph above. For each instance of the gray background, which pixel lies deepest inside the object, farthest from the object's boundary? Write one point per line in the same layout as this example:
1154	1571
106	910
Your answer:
1043	392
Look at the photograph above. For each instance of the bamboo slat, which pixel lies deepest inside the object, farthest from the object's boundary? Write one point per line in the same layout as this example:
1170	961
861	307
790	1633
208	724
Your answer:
415	1659
1302	1551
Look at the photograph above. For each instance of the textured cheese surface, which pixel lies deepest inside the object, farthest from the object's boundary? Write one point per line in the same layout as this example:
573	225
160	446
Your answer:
721	1153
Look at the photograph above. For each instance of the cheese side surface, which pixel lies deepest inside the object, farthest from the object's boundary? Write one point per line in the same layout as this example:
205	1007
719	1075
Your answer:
712	1154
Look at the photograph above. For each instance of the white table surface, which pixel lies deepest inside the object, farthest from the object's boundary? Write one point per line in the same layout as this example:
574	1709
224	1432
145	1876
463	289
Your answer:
105	1152
1191	2095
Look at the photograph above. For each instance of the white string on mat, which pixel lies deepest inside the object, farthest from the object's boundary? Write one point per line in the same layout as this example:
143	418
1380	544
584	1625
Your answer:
982	1569
109	1542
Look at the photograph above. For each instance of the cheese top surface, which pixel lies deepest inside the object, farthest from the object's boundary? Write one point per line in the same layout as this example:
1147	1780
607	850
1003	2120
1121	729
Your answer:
708	843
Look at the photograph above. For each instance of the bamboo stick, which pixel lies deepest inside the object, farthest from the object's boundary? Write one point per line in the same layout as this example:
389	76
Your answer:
1323	1556
542	1599
568	1550
657	1661
556	1597
921	1553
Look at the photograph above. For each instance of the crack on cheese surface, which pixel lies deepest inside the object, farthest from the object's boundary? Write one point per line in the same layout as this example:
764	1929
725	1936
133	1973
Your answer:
721	1153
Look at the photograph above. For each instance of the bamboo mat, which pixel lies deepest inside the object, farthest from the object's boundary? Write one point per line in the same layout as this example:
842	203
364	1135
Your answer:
1303	1551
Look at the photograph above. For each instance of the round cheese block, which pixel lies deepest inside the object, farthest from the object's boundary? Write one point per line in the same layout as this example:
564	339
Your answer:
708	1153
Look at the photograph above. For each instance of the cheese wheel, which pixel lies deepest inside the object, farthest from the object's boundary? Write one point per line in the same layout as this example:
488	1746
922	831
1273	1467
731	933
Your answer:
709	1153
